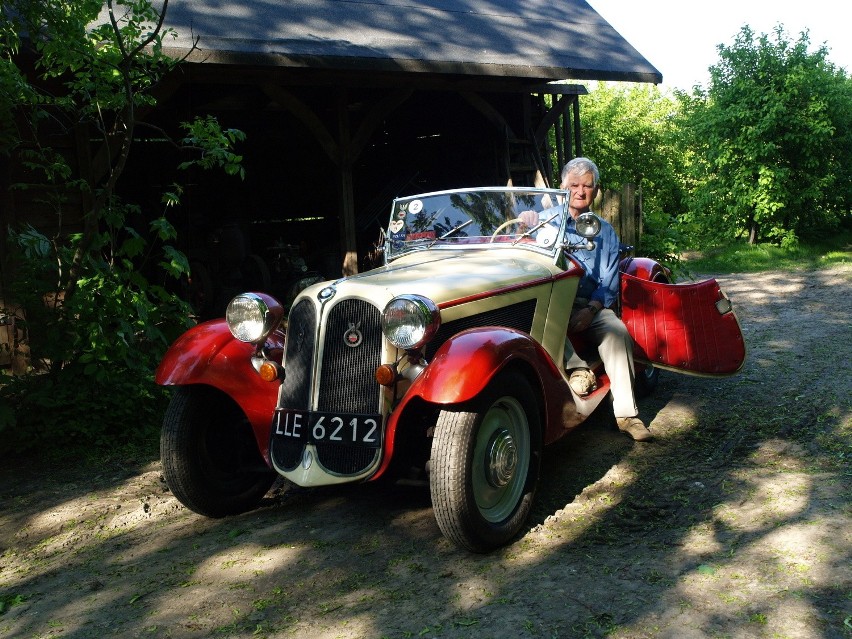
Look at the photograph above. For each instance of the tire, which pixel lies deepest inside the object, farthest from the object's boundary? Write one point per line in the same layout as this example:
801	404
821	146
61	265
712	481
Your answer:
210	457
485	465
647	378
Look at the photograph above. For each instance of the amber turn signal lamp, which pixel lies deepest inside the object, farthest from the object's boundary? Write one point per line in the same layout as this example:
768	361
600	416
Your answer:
270	371
386	374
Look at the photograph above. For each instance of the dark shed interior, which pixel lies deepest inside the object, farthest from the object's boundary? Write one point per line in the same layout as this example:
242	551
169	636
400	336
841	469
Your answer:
347	105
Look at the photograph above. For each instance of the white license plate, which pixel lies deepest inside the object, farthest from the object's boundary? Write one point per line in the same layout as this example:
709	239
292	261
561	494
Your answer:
328	428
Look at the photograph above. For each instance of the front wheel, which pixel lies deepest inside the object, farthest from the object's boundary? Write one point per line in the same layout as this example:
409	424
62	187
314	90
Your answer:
485	465
210	458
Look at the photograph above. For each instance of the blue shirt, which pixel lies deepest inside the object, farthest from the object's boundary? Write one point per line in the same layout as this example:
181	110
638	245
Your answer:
600	282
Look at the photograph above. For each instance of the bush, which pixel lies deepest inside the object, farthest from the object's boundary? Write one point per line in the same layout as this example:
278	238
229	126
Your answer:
93	353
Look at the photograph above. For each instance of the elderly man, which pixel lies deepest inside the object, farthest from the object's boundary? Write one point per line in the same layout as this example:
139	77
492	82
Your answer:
596	296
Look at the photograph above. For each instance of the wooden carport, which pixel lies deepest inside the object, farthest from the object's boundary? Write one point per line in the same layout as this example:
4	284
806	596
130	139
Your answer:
348	104
365	60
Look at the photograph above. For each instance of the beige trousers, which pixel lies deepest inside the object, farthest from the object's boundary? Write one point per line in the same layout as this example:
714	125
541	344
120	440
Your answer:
615	347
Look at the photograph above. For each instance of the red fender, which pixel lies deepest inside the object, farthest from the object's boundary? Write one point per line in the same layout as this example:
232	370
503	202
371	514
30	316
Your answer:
209	354
466	363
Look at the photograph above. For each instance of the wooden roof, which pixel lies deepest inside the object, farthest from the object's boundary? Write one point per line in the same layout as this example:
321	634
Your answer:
536	40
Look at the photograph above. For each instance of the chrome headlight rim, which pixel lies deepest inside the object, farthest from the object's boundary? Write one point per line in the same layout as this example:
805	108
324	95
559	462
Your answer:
588	225
251	317
410	321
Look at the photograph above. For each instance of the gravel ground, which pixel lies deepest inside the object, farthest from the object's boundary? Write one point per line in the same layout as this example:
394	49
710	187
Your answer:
735	523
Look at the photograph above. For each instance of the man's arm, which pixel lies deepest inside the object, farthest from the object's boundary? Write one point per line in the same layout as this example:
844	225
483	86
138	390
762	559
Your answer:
607	292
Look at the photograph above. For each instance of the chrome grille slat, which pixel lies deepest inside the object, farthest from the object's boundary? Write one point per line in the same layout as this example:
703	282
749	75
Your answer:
348	378
346	460
298	356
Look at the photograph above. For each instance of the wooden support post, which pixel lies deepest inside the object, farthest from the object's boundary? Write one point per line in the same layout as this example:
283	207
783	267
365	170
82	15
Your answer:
348	241
628	233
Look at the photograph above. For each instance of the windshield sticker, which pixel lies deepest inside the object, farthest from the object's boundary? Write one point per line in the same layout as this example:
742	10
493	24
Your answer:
395	226
425	235
415	207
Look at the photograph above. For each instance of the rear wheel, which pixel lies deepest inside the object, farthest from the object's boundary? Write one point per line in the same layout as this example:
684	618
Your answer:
647	378
485	465
210	457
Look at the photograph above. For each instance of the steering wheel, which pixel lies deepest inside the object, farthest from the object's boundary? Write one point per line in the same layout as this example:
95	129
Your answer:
516	220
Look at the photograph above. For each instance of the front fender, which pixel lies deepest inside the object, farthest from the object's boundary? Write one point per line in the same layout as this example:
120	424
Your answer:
209	354
467	362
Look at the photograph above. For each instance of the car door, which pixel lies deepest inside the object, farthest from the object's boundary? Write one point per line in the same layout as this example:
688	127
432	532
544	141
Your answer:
690	328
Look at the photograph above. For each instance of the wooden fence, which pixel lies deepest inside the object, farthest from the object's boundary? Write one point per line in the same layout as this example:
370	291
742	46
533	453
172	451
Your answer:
622	209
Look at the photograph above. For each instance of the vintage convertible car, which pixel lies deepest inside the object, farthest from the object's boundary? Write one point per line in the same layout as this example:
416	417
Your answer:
445	362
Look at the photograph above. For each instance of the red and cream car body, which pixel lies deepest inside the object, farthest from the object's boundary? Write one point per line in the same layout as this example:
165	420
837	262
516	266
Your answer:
446	360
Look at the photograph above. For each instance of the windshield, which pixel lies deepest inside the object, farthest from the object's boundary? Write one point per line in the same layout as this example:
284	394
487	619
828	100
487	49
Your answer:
484	218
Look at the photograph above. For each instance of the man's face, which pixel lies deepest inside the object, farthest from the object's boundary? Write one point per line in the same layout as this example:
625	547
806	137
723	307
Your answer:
583	191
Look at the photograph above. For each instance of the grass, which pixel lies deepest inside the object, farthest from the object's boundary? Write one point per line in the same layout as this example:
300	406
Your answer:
740	257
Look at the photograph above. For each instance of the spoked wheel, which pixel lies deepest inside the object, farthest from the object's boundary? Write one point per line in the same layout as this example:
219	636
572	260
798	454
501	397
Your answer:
485	465
210	457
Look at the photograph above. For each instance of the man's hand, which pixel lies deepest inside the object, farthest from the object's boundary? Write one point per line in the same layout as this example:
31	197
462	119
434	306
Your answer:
529	218
581	319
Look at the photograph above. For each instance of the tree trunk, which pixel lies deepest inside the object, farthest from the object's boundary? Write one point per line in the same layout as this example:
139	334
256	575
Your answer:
753	230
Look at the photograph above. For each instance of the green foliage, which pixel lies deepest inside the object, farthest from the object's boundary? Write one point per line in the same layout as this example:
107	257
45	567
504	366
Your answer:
100	62
101	304
628	130
93	353
740	257
215	145
66	410
771	138
7	600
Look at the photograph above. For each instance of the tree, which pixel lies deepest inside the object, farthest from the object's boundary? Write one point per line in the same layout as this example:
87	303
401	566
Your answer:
98	310
771	136
629	130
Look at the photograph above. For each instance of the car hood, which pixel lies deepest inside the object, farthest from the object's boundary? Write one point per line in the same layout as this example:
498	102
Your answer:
444	276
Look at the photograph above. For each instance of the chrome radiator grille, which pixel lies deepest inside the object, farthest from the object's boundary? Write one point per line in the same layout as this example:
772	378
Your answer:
347	381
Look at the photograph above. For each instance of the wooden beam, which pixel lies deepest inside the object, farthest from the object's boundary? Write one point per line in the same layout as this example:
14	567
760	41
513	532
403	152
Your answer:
343	152
375	117
559	106
486	109
307	117
578	145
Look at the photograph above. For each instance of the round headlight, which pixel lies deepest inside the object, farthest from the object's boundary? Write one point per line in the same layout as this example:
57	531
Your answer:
588	225
410	321
253	316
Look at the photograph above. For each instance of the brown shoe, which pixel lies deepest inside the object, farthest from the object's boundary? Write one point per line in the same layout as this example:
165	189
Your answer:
582	381
634	427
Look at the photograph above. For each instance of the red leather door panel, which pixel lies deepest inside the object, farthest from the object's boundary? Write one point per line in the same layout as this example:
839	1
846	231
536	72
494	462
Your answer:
685	327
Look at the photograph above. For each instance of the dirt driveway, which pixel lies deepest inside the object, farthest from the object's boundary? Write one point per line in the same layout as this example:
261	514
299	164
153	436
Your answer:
736	522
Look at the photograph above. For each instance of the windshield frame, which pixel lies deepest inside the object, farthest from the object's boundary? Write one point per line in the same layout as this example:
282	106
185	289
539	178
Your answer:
471	219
